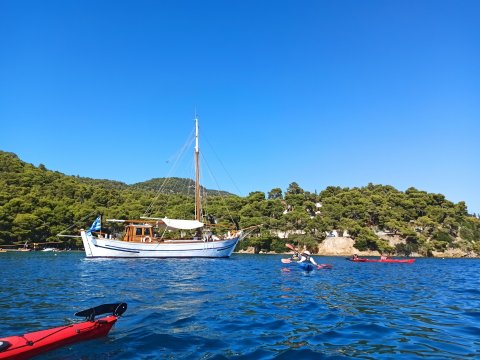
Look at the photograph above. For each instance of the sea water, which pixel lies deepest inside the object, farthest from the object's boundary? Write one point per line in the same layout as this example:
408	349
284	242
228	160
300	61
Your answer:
249	306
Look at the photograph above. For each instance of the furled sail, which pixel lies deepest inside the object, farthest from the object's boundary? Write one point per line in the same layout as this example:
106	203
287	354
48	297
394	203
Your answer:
179	224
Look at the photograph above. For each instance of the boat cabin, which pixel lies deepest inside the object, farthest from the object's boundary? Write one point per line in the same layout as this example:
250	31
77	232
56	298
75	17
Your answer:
138	233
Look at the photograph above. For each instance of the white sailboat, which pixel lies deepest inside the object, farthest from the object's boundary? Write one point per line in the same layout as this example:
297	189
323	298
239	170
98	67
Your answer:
139	239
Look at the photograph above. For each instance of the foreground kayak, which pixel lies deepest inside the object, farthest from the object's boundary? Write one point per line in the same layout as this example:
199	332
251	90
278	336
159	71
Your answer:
408	261
38	342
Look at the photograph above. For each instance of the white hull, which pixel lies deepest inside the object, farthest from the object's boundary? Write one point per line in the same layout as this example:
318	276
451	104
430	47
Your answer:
101	247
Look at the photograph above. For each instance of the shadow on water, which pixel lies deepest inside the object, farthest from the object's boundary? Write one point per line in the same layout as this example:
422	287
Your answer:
246	307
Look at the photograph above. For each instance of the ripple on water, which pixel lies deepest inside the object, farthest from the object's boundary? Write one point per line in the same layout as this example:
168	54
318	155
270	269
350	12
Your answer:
246	307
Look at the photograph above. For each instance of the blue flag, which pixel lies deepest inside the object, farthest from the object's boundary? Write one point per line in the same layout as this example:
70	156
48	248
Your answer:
96	226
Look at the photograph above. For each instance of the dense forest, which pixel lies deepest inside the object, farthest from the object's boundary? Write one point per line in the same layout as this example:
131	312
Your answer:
36	204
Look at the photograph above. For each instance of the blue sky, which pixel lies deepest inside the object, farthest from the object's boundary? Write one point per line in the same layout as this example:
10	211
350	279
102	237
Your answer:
321	93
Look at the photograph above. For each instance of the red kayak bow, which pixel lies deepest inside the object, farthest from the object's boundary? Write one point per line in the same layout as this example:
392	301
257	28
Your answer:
38	342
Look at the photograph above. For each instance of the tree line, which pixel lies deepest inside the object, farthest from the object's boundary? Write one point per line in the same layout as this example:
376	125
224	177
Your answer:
36	204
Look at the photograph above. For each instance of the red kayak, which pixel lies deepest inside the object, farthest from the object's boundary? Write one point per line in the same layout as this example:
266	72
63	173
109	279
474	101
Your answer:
38	342
407	261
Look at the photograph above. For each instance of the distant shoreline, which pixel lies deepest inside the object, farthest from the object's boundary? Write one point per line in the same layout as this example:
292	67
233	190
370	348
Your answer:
344	246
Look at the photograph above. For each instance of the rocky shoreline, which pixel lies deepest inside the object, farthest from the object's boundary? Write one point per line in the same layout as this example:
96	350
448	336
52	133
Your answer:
343	246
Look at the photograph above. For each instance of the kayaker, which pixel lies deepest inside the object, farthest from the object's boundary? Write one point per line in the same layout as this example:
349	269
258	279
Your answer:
306	256
355	257
383	257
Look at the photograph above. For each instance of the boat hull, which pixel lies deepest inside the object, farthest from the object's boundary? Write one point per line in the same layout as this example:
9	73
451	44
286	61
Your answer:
39	342
102	247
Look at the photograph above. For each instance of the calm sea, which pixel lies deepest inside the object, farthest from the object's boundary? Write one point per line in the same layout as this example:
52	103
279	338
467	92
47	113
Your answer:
246	307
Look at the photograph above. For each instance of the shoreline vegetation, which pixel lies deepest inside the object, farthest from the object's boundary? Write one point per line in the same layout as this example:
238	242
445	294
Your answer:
339	252
343	250
36	204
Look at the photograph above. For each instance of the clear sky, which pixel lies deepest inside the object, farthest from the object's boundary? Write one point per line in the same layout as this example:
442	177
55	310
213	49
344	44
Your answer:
318	92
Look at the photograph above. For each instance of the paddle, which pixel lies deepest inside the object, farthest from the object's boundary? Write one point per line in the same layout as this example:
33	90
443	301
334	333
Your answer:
116	309
325	266
291	247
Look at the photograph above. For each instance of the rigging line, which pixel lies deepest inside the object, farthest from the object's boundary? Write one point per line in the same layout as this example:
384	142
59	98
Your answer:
184	147
75	223
219	192
179	154
223	166
193	166
189	185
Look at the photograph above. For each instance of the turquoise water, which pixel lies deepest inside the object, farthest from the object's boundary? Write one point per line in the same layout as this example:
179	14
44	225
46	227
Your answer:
246	307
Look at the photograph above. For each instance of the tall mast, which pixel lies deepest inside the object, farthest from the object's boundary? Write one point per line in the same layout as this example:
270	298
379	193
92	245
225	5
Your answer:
198	208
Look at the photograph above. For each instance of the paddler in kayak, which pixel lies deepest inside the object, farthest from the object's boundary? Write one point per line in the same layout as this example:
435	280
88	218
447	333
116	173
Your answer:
306	257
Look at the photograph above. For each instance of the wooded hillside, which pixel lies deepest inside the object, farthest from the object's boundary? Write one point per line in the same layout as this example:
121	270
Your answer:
36	204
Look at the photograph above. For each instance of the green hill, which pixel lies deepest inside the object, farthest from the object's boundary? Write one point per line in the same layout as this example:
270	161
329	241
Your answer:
176	185
37	203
